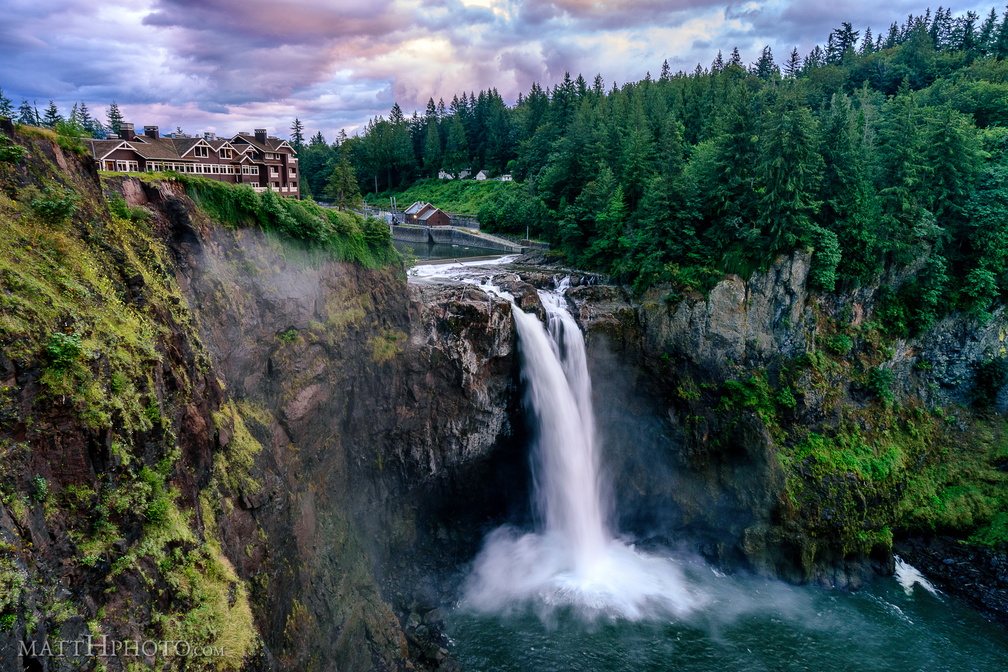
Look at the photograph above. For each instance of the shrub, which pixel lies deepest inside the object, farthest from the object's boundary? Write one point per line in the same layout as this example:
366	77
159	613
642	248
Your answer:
880	382
840	344
63	350
53	208
118	207
41	491
9	152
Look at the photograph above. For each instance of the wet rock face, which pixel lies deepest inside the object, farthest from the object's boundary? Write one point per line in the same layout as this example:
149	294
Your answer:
684	469
383	408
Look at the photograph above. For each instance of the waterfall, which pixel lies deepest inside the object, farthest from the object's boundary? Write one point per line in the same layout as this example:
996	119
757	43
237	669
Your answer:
574	559
555	370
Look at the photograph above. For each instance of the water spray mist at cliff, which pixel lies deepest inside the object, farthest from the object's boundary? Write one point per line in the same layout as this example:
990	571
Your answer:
574	560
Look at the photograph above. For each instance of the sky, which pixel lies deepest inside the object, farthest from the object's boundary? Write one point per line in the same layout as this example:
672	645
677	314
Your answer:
234	65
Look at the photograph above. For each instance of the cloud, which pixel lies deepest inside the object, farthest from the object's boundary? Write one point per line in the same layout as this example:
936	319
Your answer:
219	63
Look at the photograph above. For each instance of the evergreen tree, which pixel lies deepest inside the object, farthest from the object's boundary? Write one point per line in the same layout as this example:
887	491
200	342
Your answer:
765	68
952	154
901	171
342	186
842	43
735	58
965	37
432	150
815	59
790	169
893	37
297	135
849	205
793	65
987	40
666	71
718	65
867	45
6	106
1000	49
52	115
456	155
26	114
114	118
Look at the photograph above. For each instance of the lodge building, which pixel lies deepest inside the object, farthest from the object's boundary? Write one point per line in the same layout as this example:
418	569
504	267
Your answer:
256	159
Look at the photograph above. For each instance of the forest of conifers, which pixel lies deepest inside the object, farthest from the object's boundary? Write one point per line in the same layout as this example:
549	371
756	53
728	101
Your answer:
886	155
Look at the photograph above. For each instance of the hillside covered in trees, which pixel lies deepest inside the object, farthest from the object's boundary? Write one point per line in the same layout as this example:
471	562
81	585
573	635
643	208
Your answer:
877	151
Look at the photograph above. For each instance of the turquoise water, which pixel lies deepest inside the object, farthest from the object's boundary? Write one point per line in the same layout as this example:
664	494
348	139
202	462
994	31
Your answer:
744	624
428	251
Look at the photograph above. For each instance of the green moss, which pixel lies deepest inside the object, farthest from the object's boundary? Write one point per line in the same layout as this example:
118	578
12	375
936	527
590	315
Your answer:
386	346
233	463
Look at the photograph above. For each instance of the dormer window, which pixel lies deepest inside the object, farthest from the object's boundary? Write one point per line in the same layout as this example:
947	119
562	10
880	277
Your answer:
225	153
201	152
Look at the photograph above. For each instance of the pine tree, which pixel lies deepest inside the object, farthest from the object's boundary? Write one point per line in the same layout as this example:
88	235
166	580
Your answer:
765	68
986	41
666	71
893	37
901	171
342	187
815	59
793	65
297	134
718	64
790	169
456	154
849	204
92	127
735	59
6	105
317	140
52	115
1000	50
115	119
965	34
432	150
26	114
867	44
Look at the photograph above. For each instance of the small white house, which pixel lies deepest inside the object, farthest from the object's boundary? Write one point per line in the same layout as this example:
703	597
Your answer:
506	177
465	173
481	175
445	175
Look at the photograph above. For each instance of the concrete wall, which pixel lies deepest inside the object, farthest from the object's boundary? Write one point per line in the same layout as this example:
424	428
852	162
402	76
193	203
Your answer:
448	236
411	234
456	237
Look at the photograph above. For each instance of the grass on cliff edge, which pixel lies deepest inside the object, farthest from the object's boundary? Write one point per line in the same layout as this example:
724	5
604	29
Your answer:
461	196
346	235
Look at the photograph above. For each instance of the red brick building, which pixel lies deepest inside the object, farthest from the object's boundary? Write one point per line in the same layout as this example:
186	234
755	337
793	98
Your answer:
262	161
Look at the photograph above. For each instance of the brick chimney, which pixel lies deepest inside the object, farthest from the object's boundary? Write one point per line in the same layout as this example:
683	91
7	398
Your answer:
126	131
152	132
260	134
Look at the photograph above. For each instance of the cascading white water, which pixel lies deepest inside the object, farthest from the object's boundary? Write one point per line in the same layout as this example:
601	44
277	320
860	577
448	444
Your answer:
559	394
574	560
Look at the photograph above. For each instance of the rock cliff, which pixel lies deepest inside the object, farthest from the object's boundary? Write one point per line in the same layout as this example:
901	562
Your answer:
214	434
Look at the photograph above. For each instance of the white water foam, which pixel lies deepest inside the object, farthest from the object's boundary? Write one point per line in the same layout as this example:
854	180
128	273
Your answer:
908	576
456	269
574	560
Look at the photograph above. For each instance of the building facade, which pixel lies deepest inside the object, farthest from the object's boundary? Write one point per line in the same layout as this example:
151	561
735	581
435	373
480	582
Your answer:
257	159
